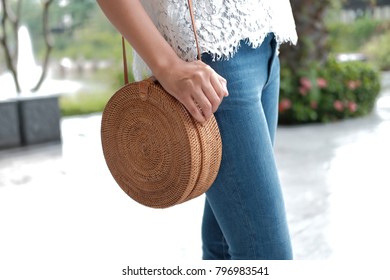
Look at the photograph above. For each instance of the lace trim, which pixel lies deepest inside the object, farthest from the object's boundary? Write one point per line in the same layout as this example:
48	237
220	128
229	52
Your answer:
221	25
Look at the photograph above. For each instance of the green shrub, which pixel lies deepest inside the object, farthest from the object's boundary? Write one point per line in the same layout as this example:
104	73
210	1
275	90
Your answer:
350	37
89	101
83	103
378	51
366	35
332	92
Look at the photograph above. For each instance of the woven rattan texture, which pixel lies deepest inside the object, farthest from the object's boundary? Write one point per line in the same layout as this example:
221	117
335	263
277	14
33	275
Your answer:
157	153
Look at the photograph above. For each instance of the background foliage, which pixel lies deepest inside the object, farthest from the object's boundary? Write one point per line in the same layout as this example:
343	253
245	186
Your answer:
82	34
78	28
328	92
314	86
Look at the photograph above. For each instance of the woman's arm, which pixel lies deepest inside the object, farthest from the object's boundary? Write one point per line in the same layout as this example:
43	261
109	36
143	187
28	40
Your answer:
193	83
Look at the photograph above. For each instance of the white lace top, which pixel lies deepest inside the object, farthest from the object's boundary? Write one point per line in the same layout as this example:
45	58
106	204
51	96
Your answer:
221	25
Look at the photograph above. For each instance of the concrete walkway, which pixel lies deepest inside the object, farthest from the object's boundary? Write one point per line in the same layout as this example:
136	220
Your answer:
59	204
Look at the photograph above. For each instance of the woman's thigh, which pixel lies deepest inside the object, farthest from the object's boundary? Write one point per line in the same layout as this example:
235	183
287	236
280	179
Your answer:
246	197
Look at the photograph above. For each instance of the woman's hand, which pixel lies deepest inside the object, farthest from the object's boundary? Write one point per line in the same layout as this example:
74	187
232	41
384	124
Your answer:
196	85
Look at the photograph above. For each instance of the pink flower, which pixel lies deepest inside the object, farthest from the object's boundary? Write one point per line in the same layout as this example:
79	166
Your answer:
306	83
322	83
314	104
303	91
338	105
352	106
284	104
352	85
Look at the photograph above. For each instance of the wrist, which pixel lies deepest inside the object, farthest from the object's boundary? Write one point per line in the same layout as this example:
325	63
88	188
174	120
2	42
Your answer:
164	66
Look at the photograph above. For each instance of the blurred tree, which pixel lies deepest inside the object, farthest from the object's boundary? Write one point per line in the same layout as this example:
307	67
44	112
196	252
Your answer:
312	33
10	15
72	18
10	21
310	18
68	15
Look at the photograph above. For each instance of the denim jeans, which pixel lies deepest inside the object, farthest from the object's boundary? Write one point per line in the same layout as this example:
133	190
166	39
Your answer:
244	215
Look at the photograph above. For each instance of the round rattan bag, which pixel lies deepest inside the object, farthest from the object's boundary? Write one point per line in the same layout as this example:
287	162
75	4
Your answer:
157	153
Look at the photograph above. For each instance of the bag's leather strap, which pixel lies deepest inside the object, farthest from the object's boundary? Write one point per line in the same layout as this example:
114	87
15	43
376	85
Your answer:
194	28
124	56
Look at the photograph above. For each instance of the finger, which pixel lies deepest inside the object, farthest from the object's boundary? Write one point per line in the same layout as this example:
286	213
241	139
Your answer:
224	85
220	86
203	104
193	109
212	97
196	112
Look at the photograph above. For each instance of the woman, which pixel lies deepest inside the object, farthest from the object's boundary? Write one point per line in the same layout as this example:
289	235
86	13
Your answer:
237	80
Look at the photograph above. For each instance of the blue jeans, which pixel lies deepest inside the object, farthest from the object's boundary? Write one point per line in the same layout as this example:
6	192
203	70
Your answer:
244	215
